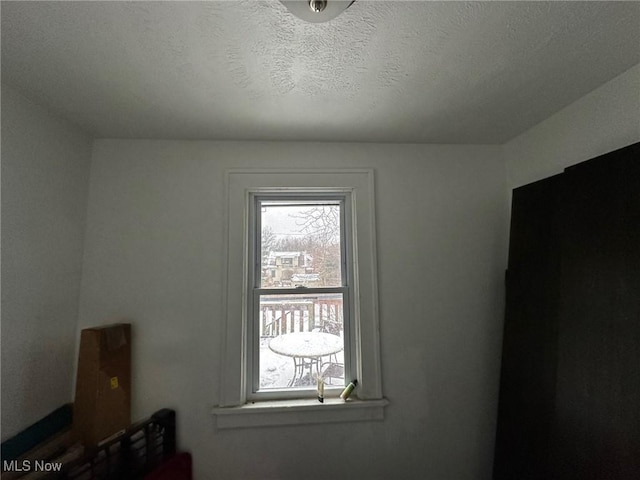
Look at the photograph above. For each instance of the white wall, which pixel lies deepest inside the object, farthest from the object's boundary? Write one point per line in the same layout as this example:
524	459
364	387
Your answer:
45	178
604	120
153	254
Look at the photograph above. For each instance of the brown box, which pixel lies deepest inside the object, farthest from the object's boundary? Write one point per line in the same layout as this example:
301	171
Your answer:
102	405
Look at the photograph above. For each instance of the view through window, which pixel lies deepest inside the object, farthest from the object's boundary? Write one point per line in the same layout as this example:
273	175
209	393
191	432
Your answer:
300	292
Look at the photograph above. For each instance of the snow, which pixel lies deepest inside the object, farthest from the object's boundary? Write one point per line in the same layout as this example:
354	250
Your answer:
276	370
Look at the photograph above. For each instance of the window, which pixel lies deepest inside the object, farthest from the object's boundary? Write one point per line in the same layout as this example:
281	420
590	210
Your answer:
299	318
300	259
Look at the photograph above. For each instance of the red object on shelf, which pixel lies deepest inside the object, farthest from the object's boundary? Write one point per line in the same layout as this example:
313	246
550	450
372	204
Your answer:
177	467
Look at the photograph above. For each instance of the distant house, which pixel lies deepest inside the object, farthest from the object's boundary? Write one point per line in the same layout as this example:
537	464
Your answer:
280	267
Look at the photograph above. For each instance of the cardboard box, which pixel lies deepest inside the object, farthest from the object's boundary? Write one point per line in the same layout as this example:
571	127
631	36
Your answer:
102	405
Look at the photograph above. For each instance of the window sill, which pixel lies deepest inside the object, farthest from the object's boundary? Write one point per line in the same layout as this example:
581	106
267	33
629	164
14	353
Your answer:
298	412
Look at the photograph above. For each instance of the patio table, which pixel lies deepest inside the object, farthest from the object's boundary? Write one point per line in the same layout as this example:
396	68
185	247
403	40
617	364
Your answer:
306	349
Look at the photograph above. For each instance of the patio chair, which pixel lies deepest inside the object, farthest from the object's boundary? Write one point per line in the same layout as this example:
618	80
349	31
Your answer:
332	370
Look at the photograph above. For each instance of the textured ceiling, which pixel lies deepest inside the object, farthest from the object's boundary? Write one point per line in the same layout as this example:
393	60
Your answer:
436	72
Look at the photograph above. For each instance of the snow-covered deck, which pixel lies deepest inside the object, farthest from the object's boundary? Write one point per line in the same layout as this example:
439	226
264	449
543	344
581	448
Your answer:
276	371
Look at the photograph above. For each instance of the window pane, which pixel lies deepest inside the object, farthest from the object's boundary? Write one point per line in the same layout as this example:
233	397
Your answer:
300	244
301	336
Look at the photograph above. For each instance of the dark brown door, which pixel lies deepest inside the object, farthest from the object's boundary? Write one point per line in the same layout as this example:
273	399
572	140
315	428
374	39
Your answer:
569	403
528	376
597	414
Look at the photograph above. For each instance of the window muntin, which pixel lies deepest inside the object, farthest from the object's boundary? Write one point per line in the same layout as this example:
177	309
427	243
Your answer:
299	284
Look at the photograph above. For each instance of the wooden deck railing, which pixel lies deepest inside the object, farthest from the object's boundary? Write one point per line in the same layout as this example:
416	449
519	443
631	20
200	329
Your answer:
287	315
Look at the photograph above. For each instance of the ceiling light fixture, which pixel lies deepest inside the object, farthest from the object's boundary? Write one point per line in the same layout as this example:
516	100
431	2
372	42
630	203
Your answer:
317	5
317	11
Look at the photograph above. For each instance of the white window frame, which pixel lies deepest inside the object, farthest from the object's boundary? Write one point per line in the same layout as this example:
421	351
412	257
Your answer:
254	290
234	407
